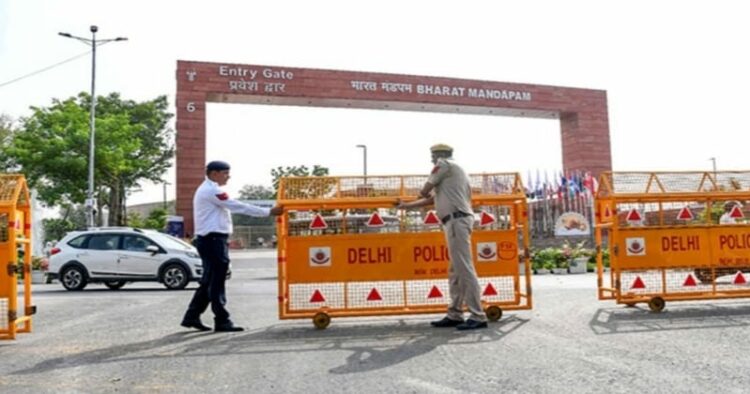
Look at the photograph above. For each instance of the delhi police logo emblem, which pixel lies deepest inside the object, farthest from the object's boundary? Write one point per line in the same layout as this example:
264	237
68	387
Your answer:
320	256
486	251
635	246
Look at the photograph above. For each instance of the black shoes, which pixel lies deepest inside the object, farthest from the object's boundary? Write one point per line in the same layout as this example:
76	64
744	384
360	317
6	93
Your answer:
446	322
227	327
471	325
195	323
198	325
459	324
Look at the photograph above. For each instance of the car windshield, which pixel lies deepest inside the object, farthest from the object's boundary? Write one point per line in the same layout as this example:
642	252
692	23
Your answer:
169	241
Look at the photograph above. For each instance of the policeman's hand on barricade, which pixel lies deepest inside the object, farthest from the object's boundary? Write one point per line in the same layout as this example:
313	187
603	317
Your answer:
400	204
277	210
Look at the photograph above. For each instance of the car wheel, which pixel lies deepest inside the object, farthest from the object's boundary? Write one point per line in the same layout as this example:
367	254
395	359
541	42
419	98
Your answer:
115	285
74	278
175	277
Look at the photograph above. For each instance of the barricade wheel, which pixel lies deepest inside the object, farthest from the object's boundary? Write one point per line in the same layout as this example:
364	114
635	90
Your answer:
321	320
494	313
656	304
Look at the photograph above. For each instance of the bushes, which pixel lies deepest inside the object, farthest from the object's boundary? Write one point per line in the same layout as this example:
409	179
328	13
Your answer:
560	257
548	258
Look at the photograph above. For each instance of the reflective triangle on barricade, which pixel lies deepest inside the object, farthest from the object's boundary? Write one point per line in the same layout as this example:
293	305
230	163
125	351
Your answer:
634	216
638	283
685	214
736	213
318	223
431	218
375	220
489	290
739	279
374	295
317	296
435	293
486	218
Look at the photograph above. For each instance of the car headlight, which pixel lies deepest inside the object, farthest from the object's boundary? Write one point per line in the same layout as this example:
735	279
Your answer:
193	255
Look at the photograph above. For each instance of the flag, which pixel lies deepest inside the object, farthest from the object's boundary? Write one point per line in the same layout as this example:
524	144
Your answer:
589	183
528	186
572	185
538	186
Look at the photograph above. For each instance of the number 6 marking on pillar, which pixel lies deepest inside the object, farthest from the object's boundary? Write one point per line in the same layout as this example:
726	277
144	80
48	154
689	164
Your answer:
191	107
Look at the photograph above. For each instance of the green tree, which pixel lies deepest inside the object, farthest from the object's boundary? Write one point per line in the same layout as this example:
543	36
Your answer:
133	144
256	192
135	220
157	219
6	136
289	171
72	218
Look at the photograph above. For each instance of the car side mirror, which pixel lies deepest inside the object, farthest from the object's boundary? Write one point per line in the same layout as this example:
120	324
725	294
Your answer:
153	249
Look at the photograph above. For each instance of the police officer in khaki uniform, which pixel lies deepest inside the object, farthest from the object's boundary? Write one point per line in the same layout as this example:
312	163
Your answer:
452	199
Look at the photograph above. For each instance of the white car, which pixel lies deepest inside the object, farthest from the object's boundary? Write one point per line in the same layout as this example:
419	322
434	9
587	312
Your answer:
117	255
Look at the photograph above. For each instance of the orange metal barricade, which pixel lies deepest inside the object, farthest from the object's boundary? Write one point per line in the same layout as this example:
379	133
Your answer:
344	250
673	236
15	237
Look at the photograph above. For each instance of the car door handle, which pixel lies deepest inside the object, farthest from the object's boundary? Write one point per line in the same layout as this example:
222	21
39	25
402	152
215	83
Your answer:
123	257
82	254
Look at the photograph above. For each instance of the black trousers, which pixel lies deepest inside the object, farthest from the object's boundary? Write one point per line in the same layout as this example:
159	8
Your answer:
214	253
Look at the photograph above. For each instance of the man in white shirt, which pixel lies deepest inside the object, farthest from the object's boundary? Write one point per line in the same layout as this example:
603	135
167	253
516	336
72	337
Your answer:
212	213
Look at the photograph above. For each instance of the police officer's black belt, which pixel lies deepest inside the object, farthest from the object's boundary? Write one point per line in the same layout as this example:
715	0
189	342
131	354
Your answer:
454	215
214	235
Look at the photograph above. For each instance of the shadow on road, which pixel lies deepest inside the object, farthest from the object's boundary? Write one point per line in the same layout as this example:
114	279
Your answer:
110	354
374	344
61	292
416	341
623	320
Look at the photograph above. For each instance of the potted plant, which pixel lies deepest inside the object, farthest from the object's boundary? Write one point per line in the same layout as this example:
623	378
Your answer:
577	256
543	261
39	267
550	266
561	267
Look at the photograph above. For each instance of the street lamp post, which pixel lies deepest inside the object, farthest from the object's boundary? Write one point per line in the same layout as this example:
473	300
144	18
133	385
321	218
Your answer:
713	160
364	154
165	194
92	125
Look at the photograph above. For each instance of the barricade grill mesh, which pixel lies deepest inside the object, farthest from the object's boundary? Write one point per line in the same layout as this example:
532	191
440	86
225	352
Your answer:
379	294
331	188
623	183
4	314
8	185
346	250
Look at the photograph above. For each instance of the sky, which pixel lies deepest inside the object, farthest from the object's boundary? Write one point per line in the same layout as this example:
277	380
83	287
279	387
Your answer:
676	75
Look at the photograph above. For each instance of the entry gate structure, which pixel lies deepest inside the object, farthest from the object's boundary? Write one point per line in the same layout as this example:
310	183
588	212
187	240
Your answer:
344	250
15	255
673	236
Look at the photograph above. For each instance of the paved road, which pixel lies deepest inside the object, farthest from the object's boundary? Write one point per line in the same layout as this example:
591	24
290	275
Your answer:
100	340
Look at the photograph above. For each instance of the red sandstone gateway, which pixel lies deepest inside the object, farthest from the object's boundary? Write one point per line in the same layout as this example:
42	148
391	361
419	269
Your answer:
584	124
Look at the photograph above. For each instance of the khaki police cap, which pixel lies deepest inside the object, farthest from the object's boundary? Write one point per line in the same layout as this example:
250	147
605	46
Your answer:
441	148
